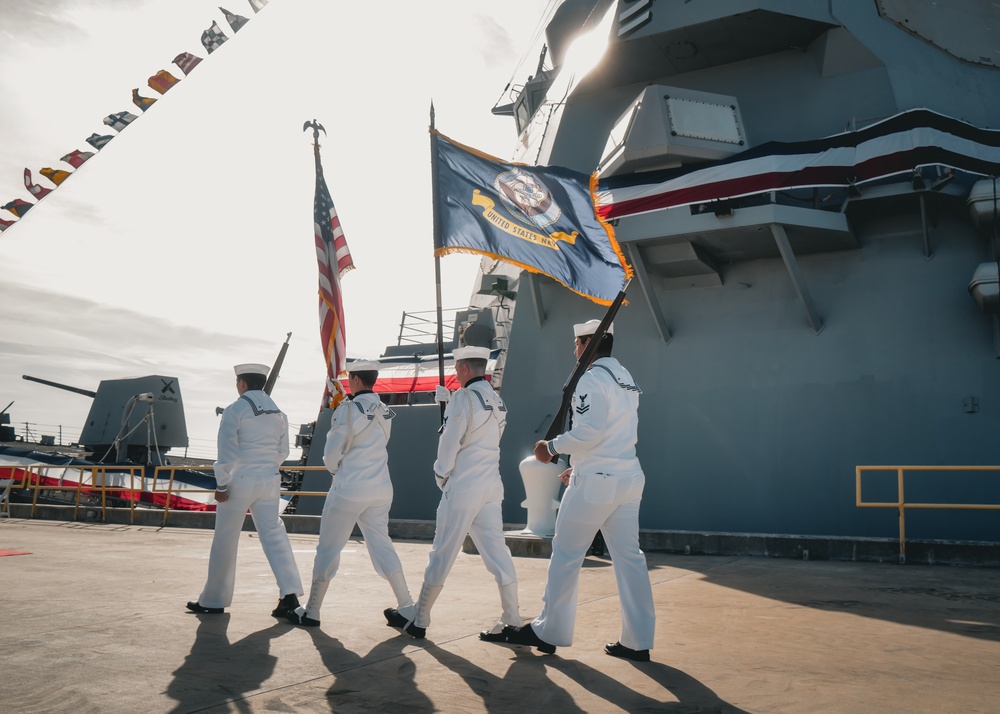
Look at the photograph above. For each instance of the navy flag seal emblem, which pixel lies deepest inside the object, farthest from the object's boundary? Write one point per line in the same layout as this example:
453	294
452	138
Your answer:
527	198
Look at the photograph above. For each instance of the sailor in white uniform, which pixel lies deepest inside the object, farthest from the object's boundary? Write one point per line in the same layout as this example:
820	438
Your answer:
604	491
253	442
361	492
467	471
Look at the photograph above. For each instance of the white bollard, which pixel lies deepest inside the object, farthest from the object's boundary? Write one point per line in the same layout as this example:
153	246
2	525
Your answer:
541	486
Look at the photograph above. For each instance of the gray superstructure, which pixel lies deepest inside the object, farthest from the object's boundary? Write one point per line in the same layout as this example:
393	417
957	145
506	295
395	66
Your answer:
767	378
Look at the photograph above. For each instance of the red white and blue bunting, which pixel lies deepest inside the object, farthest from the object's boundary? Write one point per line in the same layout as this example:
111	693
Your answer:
899	145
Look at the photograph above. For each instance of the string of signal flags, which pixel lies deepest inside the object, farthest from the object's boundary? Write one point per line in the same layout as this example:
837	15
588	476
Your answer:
161	82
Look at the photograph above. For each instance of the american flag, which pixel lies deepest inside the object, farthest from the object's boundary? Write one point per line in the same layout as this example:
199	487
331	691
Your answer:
334	259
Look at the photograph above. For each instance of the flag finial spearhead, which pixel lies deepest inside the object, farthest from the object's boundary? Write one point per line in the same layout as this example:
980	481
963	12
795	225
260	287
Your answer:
316	129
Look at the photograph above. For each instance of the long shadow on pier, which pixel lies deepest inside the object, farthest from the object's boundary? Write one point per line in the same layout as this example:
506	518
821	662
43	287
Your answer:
527	679
360	684
216	671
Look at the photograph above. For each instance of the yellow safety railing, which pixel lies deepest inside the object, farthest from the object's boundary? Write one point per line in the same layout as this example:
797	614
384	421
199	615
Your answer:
169	491
173	469
901	504
36	477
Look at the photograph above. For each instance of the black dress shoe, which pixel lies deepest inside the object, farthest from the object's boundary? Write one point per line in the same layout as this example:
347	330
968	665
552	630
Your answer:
285	606
619	650
417	633
490	636
195	607
526	636
299	618
394	619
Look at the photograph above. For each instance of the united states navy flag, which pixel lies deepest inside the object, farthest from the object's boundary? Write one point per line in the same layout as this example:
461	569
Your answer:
540	218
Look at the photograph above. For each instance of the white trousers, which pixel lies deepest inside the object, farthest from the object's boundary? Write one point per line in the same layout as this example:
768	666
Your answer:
469	512
610	504
260	495
340	513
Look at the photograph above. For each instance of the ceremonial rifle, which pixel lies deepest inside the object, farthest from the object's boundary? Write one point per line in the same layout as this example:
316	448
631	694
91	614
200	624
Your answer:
559	420
272	376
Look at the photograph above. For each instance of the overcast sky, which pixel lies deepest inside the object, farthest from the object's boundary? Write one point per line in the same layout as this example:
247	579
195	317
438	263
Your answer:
185	245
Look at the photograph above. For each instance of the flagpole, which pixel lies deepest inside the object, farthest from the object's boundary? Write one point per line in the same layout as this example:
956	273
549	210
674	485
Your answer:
330	258
437	260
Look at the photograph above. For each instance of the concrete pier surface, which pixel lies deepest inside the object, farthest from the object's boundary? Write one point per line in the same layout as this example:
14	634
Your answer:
94	621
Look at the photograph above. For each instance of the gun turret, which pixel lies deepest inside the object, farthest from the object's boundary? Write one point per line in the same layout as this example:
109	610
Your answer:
140	418
84	392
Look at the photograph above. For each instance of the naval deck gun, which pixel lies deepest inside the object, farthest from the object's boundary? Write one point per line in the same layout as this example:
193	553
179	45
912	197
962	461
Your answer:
135	420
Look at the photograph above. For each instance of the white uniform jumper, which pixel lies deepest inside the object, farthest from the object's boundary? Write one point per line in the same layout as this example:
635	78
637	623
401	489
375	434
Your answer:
467	470
253	442
604	492
361	492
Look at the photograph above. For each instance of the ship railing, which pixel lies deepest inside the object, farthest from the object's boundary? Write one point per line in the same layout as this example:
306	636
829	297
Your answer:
420	328
104	480
169	490
107	480
901	504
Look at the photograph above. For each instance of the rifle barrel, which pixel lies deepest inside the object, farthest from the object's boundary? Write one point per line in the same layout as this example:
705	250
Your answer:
272	376
556	426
